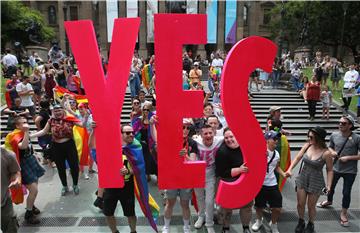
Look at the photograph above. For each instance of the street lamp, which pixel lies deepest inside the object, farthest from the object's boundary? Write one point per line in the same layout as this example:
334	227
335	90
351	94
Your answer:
345	7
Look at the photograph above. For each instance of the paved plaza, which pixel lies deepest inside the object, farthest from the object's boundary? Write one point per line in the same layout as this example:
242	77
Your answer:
77	214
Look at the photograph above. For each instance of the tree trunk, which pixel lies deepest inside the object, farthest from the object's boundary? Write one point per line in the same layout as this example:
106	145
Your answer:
355	54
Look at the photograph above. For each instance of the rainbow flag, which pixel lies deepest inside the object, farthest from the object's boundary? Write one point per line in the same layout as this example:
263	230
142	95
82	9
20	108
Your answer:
77	82
12	143
285	159
60	91
148	205
81	138
147	75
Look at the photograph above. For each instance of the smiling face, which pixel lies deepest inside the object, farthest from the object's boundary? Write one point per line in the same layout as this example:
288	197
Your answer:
344	125
59	113
207	135
213	122
230	140
208	111
127	134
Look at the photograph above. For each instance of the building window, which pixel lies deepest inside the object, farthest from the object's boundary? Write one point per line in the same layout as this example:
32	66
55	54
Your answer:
175	6
267	16
52	15
246	15
74	13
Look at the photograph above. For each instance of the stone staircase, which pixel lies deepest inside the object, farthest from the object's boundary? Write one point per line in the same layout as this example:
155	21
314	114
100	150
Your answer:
294	113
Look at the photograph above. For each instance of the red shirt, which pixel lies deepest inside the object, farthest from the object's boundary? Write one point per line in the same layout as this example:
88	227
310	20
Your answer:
313	91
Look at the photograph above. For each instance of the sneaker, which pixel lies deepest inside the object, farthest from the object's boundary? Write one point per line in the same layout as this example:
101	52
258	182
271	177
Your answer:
35	210
187	229
199	222
86	176
273	227
76	189
310	228
165	229
64	190
31	218
300	226
210	229
257	225
99	203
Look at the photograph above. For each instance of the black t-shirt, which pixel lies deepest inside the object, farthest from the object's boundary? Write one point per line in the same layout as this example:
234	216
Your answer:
192	146
45	114
226	159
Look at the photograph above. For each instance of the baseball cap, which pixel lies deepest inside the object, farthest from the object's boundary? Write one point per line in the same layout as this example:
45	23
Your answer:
274	108
272	135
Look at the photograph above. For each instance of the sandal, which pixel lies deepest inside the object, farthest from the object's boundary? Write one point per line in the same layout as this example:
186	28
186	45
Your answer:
344	223
324	204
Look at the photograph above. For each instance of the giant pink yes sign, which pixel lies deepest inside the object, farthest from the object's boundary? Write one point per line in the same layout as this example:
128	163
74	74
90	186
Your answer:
106	96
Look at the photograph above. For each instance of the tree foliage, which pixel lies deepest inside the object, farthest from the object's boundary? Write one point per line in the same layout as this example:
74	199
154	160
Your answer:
16	19
325	22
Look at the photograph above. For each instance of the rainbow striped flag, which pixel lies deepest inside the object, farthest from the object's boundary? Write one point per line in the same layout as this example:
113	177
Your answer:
12	143
148	205
60	91
147	75
285	159
81	138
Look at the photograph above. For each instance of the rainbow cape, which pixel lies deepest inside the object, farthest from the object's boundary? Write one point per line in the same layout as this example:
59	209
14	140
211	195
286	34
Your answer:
148	205
146	75
81	138
12	143
285	158
60	91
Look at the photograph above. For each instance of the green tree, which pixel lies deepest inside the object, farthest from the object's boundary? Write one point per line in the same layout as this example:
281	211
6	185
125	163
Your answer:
325	23
16	18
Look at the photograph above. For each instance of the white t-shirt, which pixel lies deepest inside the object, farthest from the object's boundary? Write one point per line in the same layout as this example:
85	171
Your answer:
9	60
217	62
26	100
208	153
350	78
270	178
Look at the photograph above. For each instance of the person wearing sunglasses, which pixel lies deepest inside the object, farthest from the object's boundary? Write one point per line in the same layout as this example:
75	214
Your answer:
310	183
188	153
345	145
136	109
229	165
142	132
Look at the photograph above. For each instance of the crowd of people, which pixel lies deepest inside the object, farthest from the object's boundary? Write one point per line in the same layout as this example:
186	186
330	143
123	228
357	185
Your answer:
51	94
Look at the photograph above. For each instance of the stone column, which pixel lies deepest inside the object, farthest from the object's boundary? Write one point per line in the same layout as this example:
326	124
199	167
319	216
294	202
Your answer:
239	20
142	35
103	29
60	13
202	10
122	9
221	25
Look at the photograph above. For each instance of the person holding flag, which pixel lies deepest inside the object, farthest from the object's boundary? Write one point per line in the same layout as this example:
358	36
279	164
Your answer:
18	141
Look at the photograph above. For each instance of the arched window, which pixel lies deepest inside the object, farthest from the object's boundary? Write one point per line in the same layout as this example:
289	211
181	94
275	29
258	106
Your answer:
246	15
52	15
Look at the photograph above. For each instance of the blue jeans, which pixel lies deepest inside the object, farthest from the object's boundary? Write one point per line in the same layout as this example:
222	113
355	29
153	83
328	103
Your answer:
296	83
275	79
134	85
348	183
210	85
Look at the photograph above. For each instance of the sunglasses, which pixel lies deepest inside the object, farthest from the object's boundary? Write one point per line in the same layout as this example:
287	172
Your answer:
146	110
136	103
128	132
342	123
186	127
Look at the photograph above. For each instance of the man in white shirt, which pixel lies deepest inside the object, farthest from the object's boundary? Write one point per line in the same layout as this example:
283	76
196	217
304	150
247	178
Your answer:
25	91
217	61
350	79
9	61
208	145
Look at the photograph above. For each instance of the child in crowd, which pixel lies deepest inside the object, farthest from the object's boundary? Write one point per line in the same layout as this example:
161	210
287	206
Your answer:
326	99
